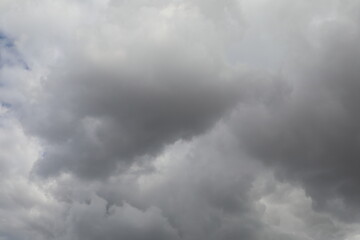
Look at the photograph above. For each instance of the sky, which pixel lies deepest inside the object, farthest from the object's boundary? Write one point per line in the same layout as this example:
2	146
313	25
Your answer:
179	120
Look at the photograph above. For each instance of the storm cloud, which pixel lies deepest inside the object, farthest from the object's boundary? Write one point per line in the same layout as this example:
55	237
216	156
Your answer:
179	119
312	134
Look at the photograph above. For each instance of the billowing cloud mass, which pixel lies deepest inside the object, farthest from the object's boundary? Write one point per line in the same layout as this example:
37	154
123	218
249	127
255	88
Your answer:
179	119
312	134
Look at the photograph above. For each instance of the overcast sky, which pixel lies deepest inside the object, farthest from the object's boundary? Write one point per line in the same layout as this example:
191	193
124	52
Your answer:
179	120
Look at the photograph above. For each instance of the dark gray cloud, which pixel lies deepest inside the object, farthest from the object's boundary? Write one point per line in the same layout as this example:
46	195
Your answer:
222	202
312	135
89	221
185	119
95	119
109	101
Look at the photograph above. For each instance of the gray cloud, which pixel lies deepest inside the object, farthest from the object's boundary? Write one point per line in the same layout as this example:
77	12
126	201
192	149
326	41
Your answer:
94	120
179	120
312	135
88	221
110	101
227	201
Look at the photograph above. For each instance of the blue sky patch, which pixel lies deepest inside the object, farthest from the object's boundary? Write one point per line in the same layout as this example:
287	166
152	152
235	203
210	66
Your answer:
9	55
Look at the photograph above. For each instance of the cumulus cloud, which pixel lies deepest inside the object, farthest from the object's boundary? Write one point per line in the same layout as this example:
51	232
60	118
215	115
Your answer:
136	85
179	120
311	135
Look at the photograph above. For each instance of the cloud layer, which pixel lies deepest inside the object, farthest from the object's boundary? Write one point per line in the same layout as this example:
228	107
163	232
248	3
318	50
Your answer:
179	120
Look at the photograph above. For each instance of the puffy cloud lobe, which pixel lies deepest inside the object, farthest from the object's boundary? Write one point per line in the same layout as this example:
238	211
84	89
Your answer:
312	134
177	199
223	202
127	92
135	86
103	119
26	212
89	221
128	103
